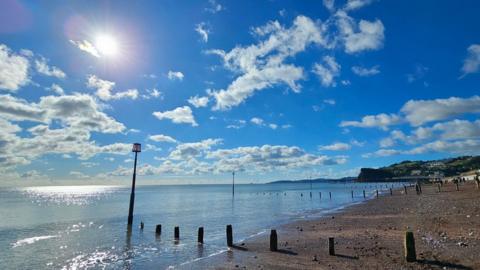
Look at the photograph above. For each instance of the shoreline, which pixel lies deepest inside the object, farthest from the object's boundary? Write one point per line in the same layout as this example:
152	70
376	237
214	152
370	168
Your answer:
370	235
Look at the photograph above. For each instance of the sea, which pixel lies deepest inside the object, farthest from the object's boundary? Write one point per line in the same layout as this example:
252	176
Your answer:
85	227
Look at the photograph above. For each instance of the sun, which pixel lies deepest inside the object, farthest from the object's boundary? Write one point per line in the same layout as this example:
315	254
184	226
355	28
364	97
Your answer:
106	45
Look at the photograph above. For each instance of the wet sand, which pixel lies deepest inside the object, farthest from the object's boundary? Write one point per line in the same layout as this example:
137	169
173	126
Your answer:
370	235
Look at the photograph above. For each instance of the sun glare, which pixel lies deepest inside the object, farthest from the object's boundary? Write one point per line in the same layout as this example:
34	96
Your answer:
106	45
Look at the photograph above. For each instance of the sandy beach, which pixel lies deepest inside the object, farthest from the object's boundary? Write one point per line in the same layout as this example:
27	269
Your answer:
370	235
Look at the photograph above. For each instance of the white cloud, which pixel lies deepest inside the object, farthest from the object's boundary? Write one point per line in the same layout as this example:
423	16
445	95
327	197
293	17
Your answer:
162	138
418	112
329	101
13	69
273	126
153	93
79	175
104	89
257	121
382	121
73	118
175	75
359	37
198	102
262	65
336	147
203	30
382	153
471	64
329	4
86	46
214	7
328	71
357	4
191	150
178	115
42	67
57	89
462	147
365	72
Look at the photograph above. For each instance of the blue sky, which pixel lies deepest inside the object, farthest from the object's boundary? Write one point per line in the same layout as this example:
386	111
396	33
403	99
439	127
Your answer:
270	89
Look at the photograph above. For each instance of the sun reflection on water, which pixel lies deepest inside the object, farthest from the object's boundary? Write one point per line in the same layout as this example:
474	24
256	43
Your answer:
68	195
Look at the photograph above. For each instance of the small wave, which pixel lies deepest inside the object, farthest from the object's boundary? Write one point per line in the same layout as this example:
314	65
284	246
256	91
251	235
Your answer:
31	240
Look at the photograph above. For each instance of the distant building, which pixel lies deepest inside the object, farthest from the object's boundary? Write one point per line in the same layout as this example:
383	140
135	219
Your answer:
470	175
415	172
436	164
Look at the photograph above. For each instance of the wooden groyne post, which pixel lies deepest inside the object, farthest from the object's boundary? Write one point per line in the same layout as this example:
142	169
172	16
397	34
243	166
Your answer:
363	193
158	229
273	240
320	193
405	189
176	233
229	236
200	235
410	253
331	246
391	192
439	187
377	193
456	186
352	194
330	194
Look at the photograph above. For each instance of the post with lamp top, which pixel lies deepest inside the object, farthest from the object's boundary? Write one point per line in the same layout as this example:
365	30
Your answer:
137	148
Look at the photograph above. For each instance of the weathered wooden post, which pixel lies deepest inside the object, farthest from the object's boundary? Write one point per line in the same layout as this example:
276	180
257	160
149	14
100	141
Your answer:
229	236
176	233
331	246
417	189
405	188
376	193
273	240
478	182
142	225
391	192
200	235
439	188
364	194
158	229
456	186
320	193
352	194
330	194
410	253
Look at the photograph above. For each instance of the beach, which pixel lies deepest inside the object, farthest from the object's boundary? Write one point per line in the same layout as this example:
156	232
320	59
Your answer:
370	235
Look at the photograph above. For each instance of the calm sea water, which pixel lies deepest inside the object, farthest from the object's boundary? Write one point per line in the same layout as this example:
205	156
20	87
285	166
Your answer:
84	227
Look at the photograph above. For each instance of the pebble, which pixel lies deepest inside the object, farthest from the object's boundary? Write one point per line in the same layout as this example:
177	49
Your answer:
314	258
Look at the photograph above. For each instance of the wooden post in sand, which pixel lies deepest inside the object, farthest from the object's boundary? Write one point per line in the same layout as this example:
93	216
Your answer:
176	233
273	240
405	188
331	246
229	236
320	193
439	188
363	193
391	192
410	253
330	193
352	194
377	193
456	186
158	229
